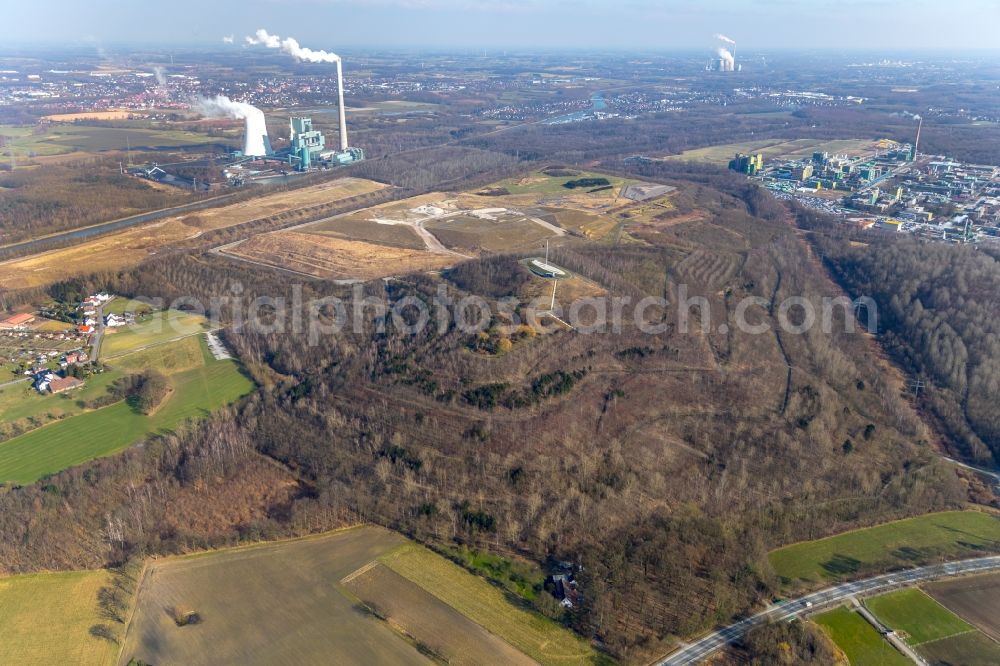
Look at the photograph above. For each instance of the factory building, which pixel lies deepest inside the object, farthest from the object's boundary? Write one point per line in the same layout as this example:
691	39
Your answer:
308	147
802	172
307	144
748	164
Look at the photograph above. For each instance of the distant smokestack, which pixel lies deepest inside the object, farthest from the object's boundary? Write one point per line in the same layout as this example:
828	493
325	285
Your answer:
916	144
291	46
255	141
340	106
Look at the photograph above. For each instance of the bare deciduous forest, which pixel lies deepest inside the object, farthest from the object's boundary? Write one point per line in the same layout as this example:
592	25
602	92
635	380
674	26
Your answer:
939	316
669	505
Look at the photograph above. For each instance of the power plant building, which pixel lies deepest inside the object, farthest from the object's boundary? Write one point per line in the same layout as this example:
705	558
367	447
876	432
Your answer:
307	143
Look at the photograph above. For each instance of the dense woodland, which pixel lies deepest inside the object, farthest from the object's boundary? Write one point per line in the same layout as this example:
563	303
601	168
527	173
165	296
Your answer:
939	316
669	506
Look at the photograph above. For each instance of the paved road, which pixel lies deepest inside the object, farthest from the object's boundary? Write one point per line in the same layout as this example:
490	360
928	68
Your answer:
995	476
95	339
699	650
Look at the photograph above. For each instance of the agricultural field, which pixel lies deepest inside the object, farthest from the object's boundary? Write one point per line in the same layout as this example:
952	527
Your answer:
932	629
56	140
198	386
360	595
433	624
162	327
536	636
916	617
777	149
326	598
950	534
46	619
976	599
858	639
121	305
129	247
111	114
970	649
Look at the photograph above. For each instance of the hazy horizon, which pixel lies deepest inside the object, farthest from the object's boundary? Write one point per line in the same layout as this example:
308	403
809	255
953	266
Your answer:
524	25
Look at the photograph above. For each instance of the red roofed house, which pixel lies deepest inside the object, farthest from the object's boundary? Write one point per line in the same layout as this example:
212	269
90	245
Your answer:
17	321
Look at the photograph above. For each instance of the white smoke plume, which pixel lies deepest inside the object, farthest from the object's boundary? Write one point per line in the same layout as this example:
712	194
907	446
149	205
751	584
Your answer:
723	38
228	39
724	54
161	75
261	37
291	46
221	106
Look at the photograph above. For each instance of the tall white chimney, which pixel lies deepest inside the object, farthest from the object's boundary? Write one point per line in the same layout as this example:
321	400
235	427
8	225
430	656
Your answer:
340	104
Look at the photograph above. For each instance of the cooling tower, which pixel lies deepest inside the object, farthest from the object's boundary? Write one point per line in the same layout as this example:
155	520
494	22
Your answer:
255	143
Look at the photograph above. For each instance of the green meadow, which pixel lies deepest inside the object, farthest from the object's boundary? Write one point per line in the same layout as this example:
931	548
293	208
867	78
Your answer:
199	384
950	534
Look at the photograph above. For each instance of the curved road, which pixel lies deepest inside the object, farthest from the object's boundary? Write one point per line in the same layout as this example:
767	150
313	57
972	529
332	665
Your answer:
694	653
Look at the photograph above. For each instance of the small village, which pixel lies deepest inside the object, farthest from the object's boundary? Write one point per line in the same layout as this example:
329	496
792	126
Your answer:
57	355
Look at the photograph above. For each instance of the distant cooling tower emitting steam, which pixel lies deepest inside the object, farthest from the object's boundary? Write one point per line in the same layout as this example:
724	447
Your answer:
725	60
291	46
255	142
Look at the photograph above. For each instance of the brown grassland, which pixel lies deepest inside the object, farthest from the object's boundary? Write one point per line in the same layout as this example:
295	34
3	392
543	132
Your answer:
508	233
327	257
349	227
129	247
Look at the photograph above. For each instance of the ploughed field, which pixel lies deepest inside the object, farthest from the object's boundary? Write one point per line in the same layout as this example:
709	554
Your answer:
358	596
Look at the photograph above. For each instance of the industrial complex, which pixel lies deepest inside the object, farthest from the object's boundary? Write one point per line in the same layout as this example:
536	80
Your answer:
725	56
257	159
892	187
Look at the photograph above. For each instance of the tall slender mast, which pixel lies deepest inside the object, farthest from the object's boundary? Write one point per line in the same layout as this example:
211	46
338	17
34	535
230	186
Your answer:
340	102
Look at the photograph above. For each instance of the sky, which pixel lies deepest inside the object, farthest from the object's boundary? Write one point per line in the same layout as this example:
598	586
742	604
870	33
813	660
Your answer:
871	25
